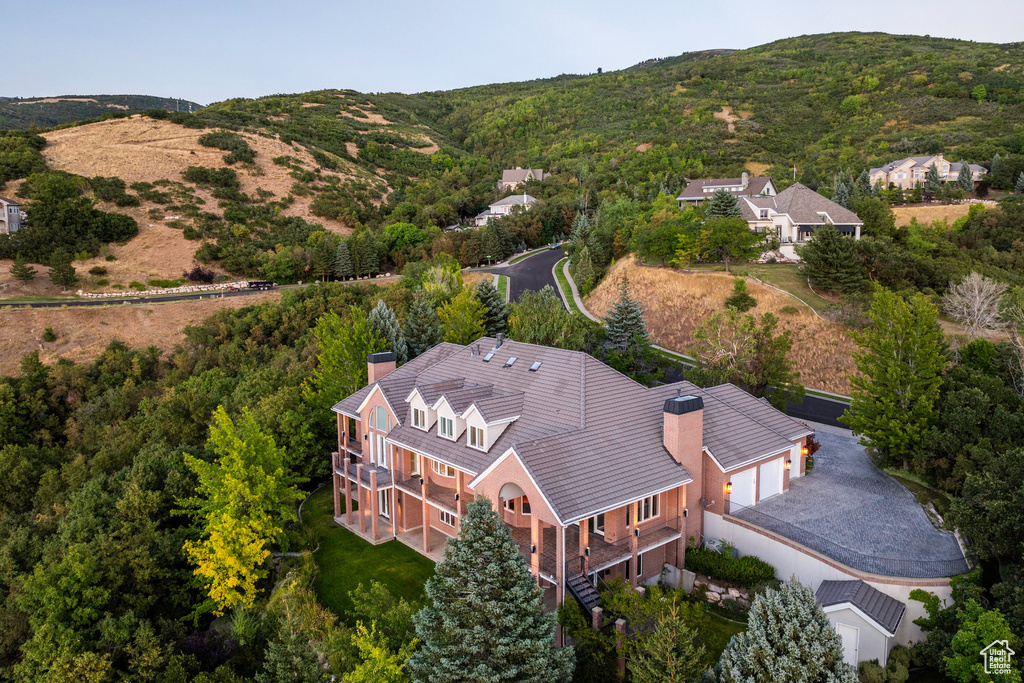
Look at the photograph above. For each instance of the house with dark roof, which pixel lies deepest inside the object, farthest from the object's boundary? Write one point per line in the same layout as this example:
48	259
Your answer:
864	617
10	216
512	178
906	173
595	474
504	207
696	191
794	214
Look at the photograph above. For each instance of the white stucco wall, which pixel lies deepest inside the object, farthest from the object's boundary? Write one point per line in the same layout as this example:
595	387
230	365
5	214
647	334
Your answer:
871	643
812	570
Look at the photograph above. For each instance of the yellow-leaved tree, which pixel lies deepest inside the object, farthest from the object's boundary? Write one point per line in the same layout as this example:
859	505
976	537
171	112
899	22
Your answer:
241	504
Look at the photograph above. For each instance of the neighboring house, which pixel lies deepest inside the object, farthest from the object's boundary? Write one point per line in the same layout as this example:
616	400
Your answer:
512	178
595	474
794	214
906	173
698	190
503	207
864	617
10	216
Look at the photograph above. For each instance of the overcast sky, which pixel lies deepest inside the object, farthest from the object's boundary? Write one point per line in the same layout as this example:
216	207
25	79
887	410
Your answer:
212	50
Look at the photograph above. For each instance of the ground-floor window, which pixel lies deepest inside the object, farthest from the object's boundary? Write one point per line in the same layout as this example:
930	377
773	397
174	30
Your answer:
510	504
384	503
447	518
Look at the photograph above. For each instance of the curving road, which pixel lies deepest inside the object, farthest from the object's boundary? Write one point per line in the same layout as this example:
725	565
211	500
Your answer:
531	274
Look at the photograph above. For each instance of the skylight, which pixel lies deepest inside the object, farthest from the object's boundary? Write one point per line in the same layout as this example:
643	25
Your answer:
535	367
510	361
488	357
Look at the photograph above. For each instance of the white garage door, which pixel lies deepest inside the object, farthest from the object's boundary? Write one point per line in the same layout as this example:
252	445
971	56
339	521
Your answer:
851	638
771	479
742	489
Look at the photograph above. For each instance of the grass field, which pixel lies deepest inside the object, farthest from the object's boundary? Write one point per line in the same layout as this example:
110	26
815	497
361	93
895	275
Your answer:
563	284
503	286
678	302
927	213
785	276
718	634
345	560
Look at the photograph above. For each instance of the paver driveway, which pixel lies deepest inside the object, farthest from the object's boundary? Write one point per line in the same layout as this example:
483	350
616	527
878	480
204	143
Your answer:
851	511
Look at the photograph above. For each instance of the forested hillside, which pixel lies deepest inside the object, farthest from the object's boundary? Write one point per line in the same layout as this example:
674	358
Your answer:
17	113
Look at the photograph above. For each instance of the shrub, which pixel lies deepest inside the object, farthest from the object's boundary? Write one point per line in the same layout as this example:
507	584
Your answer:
49	335
871	672
97	270
166	284
82	255
236	146
111	257
117	286
199	274
789	310
740	299
745	571
102	282
135	284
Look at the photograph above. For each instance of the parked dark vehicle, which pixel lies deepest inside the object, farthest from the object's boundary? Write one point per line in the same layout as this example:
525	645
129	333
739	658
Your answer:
260	284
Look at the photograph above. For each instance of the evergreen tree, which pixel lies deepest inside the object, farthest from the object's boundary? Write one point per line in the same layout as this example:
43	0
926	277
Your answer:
384	322
831	261
723	204
932	181
864	183
669	653
997	165
22	271
290	657
495	308
740	299
322	255
966	178
901	362
343	268
788	638
62	273
877	189
485	621
1019	189
463	318
367	261
582	270
422	328
624	323
841	196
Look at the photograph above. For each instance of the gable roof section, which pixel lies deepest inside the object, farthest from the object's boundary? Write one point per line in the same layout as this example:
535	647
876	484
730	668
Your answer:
695	188
885	611
5	200
515	200
518	175
802	204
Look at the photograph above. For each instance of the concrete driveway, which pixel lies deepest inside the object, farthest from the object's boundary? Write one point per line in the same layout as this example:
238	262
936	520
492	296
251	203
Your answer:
851	511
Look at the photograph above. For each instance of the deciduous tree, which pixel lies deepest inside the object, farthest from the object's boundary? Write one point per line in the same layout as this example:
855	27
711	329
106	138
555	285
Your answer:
974	302
540	318
463	318
729	239
341	360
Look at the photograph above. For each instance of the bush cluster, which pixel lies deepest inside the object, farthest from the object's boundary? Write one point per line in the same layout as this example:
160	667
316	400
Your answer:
235	145
745	571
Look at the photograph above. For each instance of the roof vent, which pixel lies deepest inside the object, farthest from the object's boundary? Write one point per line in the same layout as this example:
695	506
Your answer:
535	367
488	357
510	361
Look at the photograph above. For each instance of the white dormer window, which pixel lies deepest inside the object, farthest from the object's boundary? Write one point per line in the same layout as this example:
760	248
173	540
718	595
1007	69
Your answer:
419	418
446	426
764	213
442	469
476	437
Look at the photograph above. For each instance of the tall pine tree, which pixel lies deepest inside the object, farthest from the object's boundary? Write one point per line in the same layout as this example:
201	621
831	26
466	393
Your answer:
788	638
831	261
422	328
485	621
343	268
385	323
62	273
624	323
864	183
841	196
932	181
966	178
495	308
22	271
723	204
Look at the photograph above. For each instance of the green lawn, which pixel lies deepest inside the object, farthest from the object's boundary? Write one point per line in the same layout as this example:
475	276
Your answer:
717	635
345	560
503	286
563	284
785	276
528	254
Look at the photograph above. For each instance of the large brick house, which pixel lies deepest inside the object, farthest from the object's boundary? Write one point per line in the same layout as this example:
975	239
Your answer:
595	474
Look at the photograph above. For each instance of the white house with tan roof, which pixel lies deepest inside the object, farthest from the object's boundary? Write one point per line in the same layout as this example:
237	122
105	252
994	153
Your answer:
10	216
512	178
504	207
696	191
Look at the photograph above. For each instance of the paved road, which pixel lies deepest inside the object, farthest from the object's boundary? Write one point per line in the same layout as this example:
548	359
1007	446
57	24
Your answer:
531	274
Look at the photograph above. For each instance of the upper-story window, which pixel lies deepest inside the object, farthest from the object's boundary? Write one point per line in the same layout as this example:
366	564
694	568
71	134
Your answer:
764	213
419	418
446	425
648	508
510	504
525	508
442	469
476	437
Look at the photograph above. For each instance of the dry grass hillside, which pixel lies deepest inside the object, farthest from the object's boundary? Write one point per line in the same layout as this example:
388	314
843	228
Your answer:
925	213
83	333
678	302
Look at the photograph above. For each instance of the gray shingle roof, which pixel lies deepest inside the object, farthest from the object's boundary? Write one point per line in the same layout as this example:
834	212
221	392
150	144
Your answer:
5	200
518	175
802	204
515	200
695	188
884	610
589	436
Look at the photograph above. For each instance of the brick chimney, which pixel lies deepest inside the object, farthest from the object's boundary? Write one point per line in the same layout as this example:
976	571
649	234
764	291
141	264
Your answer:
683	437
744	180
380	364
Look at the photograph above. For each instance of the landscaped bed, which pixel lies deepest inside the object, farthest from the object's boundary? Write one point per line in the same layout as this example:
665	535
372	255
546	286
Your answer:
345	560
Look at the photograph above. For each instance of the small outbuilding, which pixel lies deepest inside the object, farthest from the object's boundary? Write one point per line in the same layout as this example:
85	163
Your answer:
864	617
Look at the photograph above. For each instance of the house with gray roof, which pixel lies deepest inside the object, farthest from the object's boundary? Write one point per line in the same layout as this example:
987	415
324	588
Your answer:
696	191
512	178
794	214
906	173
864	617
10	216
504	207
594	473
